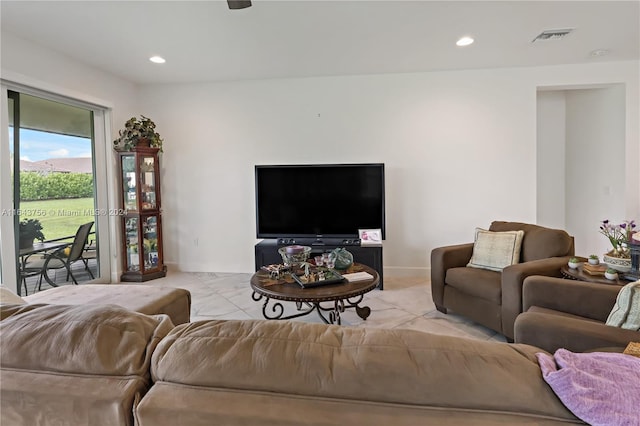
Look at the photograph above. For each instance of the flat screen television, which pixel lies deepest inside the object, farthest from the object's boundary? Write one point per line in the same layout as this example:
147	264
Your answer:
319	200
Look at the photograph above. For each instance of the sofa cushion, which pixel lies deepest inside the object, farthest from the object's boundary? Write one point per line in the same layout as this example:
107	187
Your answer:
375	365
481	283
146	299
84	365
538	242
34	398
7	296
495	250
548	311
91	339
626	310
205	406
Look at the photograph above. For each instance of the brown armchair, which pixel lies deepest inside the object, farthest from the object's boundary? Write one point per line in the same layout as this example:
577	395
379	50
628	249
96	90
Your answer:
494	299
569	314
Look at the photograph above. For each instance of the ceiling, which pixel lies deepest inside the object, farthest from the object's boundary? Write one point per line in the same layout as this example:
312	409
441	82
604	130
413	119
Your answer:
205	41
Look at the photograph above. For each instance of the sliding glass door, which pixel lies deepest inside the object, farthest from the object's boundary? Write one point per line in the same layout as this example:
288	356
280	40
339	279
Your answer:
52	148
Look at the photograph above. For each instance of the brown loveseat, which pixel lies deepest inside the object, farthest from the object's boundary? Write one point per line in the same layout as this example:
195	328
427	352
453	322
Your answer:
569	314
104	365
490	298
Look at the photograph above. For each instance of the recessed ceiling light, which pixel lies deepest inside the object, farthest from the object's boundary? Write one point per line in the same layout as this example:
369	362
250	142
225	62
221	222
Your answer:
464	41
157	59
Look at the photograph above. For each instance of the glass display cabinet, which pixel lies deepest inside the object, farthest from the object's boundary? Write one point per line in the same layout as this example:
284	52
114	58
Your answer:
141	215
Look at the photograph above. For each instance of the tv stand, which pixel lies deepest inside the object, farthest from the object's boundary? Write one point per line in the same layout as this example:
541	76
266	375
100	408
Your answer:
266	251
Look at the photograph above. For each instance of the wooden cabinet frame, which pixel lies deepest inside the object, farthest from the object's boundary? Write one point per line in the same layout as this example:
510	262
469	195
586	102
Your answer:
141	223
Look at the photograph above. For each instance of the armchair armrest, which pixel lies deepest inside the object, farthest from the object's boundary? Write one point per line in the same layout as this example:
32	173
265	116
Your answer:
443	258
512	281
551	332
588	300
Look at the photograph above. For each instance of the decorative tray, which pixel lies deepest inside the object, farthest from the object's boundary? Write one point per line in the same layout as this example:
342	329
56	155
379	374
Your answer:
318	277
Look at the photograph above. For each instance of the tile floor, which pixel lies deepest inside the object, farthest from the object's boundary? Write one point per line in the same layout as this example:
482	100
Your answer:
404	303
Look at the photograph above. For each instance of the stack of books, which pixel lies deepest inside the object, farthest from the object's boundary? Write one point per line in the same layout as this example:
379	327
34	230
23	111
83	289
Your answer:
358	276
594	269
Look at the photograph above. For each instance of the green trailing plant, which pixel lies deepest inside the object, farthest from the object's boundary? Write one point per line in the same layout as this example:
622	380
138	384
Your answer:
135	131
31	229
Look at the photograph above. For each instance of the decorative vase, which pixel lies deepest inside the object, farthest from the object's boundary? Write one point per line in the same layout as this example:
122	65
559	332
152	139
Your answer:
594	261
620	264
26	242
343	258
144	142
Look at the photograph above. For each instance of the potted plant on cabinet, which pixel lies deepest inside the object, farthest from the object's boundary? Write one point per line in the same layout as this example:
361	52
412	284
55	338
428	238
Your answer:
136	132
30	229
594	259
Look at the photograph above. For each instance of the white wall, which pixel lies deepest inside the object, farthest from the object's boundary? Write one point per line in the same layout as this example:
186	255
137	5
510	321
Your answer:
30	65
459	147
595	174
551	135
581	151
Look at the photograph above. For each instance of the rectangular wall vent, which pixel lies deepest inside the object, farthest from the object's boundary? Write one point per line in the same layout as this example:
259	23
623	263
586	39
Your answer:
552	35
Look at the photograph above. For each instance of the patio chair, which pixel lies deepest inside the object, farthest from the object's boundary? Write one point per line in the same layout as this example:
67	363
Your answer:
58	259
90	252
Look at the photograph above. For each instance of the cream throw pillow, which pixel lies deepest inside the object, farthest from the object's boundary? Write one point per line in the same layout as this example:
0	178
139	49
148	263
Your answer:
7	296
496	250
626	311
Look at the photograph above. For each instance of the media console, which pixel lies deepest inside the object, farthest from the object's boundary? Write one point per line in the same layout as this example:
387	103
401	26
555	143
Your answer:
267	251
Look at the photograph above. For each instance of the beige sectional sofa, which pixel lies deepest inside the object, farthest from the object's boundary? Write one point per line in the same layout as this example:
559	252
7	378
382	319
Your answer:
105	365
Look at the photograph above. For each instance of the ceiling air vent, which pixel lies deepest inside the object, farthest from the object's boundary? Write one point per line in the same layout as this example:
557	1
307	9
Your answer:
552	35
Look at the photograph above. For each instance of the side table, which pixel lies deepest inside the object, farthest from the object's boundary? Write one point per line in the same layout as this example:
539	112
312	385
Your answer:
580	275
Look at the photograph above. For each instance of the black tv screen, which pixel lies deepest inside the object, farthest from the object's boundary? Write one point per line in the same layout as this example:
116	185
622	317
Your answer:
327	200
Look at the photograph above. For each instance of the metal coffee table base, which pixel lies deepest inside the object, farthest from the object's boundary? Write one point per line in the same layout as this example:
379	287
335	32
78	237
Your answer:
276	310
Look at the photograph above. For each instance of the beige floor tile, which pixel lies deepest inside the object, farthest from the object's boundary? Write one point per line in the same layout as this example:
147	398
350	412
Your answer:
405	303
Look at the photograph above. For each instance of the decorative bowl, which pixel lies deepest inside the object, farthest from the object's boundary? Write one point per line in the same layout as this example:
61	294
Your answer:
294	256
620	264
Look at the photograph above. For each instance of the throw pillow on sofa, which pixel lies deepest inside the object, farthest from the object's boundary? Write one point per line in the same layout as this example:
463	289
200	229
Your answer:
496	250
626	311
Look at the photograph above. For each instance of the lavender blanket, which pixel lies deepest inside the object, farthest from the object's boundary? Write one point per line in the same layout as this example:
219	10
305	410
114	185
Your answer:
600	388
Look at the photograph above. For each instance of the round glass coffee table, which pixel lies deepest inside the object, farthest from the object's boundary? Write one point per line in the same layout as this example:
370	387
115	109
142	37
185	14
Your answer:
330	298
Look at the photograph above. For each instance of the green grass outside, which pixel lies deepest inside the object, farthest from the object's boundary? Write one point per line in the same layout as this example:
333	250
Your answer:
59	218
